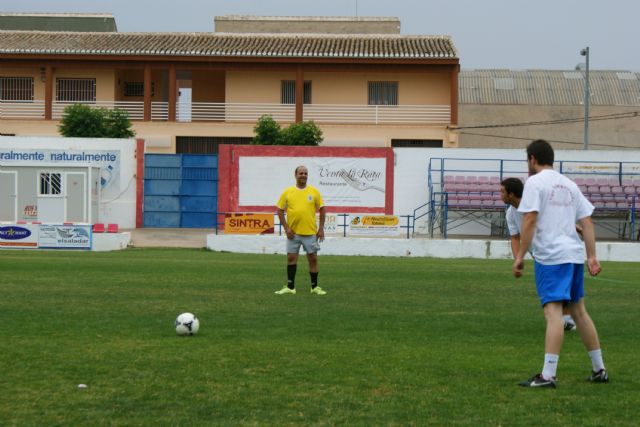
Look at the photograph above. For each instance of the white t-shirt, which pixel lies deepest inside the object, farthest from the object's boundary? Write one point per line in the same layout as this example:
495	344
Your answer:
514	220
559	204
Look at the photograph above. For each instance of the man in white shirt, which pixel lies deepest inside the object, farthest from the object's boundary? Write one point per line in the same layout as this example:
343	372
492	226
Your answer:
511	194
552	204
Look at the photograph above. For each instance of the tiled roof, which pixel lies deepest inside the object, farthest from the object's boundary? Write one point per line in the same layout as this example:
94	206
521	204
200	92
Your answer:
227	44
548	87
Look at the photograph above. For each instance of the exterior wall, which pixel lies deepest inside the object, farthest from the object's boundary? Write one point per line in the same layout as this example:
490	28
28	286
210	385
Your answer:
255	87
339	88
38	85
603	134
157	78
377	136
105	80
160	136
307	25
208	86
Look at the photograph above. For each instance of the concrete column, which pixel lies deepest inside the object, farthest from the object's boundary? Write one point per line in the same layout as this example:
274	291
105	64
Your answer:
147	93
48	92
173	93
299	94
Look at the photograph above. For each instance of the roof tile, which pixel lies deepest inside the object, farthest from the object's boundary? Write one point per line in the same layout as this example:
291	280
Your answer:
229	44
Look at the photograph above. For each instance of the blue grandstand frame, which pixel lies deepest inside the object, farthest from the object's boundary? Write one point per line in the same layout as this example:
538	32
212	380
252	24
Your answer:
482	204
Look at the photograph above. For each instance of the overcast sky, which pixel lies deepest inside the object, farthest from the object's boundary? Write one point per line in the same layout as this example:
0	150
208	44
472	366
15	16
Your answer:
513	34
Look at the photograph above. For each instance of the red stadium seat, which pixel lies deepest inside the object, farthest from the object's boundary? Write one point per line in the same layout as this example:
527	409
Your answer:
98	228
112	228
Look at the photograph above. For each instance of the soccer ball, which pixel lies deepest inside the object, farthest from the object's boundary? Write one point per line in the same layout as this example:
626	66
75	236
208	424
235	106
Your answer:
187	324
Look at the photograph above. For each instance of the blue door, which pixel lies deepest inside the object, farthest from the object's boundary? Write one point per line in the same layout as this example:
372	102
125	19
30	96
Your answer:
180	190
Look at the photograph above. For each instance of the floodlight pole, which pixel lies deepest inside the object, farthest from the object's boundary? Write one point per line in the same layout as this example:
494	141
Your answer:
585	52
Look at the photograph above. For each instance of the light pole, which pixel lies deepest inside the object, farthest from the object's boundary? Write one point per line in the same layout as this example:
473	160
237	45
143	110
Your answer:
585	52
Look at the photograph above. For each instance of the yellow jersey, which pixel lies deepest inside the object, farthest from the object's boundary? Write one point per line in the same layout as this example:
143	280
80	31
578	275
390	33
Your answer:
300	205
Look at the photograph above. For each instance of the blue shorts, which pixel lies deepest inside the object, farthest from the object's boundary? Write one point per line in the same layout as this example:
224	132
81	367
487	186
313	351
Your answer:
559	283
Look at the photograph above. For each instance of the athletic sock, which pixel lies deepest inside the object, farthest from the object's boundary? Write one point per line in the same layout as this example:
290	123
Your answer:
596	360
291	275
550	365
314	279
568	318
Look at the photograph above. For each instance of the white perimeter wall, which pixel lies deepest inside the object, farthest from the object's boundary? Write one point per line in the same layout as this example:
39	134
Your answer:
432	248
118	199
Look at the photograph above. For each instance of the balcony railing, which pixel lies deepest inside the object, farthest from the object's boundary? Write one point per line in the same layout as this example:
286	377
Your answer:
378	114
134	109
21	109
250	113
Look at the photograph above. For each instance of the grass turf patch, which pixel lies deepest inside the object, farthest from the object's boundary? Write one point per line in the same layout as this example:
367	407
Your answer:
397	341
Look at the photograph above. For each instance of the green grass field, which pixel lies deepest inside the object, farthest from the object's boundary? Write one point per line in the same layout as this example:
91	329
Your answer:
397	341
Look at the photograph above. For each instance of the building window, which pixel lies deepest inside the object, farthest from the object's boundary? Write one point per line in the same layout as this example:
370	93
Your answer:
137	88
288	92
383	93
16	89
50	184
76	90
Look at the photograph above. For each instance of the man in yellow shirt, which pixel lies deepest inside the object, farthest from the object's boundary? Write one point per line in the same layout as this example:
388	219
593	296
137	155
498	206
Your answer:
301	202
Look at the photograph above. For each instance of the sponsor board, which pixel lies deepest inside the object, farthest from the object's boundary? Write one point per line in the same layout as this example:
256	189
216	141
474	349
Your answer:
65	236
248	223
374	225
342	181
22	236
331	225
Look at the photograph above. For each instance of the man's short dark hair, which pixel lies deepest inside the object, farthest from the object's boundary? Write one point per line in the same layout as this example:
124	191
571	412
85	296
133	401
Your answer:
513	185
542	151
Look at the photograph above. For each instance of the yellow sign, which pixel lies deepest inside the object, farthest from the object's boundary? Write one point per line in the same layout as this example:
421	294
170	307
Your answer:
247	223
374	225
385	220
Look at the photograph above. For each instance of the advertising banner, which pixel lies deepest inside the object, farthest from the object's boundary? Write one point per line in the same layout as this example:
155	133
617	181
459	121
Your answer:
342	181
19	236
248	223
107	160
65	236
331	224
374	225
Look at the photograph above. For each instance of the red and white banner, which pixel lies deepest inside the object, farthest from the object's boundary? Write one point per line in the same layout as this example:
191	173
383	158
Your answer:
349	179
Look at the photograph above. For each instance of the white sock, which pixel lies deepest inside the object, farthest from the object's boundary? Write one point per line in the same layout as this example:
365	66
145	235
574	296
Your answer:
568	318
550	366
596	360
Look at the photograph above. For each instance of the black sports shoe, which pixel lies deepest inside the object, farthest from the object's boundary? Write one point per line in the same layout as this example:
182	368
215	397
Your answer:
538	381
599	377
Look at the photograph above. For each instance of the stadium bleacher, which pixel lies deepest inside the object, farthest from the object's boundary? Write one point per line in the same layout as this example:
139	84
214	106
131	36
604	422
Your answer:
472	188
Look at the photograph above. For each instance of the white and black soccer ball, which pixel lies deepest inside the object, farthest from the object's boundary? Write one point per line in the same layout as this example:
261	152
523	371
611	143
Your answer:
187	324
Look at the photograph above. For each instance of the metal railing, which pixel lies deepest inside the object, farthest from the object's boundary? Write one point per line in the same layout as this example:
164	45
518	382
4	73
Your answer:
21	109
249	112
378	114
135	110
408	224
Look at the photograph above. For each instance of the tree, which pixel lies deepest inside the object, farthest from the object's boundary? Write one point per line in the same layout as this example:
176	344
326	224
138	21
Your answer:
303	133
118	124
80	120
268	132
